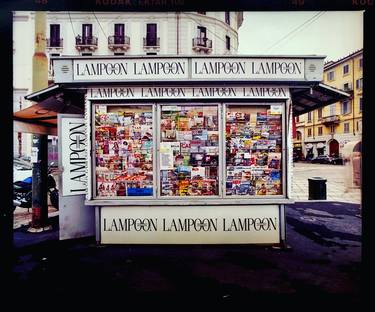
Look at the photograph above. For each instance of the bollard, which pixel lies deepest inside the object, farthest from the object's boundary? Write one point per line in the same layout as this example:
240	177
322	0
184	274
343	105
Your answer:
317	188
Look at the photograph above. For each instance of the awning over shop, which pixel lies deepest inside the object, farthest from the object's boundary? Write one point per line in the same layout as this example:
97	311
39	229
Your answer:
305	99
41	118
56	99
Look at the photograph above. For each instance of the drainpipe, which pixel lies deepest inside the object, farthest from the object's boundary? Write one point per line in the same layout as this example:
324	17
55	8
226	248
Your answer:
178	32
39	142
19	134
353	107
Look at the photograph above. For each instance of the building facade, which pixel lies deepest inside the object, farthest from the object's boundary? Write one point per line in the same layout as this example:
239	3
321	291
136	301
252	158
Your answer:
116	33
326	130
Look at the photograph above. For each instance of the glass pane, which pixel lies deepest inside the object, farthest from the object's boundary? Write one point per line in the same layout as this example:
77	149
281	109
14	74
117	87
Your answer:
87	30
253	150
151	34
54	34
123	150
189	150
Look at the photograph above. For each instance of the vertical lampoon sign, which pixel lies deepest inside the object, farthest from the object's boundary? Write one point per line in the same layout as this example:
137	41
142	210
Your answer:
73	153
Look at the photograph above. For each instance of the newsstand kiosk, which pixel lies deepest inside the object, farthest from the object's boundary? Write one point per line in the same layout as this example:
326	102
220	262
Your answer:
186	150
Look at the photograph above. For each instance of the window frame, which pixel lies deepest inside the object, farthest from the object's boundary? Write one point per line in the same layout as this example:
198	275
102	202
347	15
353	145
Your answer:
227	17
346	127
55	40
320	113
119	33
227	43
298	136
158	141
149	37
94	195
331	75
284	158
349	110
87	29
309	117
359	126
359	83
176	200
345	69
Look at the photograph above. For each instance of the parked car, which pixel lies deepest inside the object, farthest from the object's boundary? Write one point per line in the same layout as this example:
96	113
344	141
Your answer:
21	169
336	160
297	157
325	159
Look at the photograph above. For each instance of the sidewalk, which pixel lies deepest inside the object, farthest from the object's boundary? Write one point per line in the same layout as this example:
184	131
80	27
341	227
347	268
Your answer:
321	267
22	216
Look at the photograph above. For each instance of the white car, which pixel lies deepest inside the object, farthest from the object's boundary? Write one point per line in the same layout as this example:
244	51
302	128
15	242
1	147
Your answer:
21	170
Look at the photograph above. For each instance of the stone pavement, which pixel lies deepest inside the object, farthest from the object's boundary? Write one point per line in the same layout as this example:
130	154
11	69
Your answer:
22	216
322	268
335	176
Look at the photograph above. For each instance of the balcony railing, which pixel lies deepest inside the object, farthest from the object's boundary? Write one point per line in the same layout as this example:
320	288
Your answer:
202	44
152	43
89	43
334	119
56	43
118	42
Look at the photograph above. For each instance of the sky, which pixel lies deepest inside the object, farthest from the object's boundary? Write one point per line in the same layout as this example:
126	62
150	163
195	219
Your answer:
334	34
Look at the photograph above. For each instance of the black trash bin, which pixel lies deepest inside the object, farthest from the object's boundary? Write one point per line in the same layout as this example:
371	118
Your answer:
317	188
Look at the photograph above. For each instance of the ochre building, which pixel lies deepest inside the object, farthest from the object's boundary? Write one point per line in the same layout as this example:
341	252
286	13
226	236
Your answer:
326	130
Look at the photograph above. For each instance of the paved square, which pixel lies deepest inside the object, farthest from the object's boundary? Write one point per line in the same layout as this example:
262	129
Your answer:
337	180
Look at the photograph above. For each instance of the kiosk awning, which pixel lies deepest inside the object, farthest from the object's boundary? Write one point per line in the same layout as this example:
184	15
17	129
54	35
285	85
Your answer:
41	118
305	99
55	99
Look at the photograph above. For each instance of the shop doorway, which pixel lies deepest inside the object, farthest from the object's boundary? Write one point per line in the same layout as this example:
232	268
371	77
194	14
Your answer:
333	148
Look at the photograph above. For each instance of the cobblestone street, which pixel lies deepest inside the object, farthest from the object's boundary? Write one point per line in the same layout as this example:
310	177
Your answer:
335	176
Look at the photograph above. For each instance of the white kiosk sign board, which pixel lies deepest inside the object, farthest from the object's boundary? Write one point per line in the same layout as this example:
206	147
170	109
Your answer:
75	219
191	225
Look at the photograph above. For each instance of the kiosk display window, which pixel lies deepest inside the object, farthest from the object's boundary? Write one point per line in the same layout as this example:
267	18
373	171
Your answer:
189	150
253	150
194	156
123	150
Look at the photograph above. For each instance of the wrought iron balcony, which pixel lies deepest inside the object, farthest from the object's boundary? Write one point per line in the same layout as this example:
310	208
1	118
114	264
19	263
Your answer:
334	119
55	43
151	43
118	42
202	44
86	43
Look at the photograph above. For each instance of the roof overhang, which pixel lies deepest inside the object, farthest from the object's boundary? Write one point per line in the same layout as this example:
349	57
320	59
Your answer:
307	99
41	117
